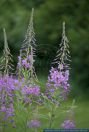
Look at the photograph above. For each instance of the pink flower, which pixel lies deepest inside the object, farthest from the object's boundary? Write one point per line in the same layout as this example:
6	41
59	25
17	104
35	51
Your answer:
68	124
33	123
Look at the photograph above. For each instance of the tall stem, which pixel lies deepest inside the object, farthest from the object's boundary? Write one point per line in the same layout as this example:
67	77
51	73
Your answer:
51	117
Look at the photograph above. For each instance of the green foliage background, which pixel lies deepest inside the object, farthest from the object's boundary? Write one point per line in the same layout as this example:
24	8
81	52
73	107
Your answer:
48	18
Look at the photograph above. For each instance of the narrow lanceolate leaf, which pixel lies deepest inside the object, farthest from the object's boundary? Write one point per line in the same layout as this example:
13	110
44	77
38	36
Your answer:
63	54
6	65
28	48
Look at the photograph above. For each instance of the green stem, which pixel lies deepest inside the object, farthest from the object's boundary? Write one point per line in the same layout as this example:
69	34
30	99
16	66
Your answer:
35	129
3	128
26	124
51	118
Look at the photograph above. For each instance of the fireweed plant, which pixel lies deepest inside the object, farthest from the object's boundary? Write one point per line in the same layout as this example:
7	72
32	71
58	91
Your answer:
8	86
23	105
57	86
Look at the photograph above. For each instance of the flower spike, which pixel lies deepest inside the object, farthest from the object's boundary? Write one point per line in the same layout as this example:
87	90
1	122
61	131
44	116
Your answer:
63	54
6	60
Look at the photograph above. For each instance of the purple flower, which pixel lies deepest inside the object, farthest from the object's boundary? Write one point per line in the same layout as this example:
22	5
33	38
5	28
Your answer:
17	84
25	63
52	90
27	100
31	90
19	61
36	90
29	57
3	108
58	79
19	58
10	111
8	86
68	124
33	123
57	85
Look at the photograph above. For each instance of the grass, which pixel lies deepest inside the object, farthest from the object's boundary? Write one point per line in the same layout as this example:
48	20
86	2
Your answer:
82	114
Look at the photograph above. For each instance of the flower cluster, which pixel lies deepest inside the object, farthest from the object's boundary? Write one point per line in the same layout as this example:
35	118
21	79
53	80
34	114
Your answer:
34	124
34	90
58	79
58	84
30	94
8	86
25	63
68	124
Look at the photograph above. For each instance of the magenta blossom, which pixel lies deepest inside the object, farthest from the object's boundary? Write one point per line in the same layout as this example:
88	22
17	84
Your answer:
58	78
35	90
68	124
33	123
8	86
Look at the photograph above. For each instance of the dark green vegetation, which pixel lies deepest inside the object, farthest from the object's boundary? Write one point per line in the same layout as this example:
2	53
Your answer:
48	18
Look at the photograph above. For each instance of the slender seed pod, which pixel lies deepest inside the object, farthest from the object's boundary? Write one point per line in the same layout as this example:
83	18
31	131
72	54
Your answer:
63	55
6	65
28	49
29	38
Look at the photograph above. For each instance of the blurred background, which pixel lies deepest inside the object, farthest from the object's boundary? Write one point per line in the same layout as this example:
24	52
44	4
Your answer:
48	18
